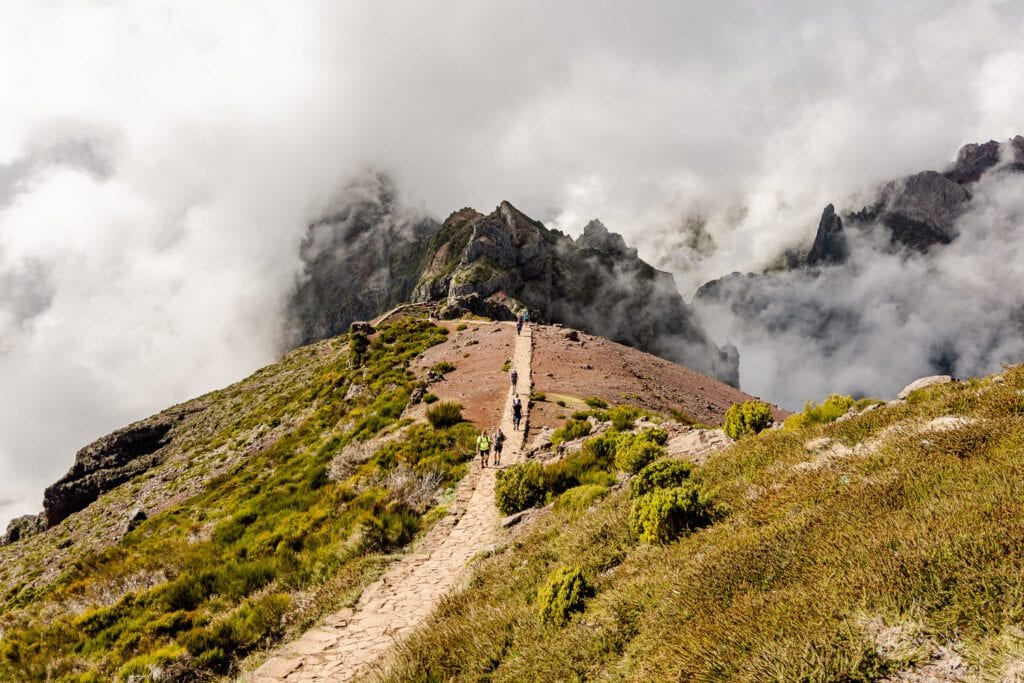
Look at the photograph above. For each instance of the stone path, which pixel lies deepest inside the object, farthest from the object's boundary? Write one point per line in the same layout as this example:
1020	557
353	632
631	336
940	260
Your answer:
390	608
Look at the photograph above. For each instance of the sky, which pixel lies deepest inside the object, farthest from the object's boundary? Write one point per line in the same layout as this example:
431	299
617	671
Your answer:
159	161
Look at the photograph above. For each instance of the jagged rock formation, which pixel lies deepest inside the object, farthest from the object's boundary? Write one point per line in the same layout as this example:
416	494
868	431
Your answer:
105	464
494	265
23	527
918	210
973	159
830	241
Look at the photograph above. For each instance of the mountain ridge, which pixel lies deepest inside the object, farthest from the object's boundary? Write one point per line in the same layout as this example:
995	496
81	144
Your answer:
496	265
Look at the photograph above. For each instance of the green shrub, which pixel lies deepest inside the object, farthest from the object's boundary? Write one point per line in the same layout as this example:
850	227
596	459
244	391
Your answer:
560	403
832	408
519	487
563	593
507	365
443	368
747	418
460	327
623	417
580	497
538	397
634	451
655	434
663	514
660	474
429	398
444	414
595	402
602	449
572	429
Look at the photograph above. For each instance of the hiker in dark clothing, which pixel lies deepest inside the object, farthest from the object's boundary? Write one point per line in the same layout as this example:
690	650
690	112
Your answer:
517	412
514	377
496	443
519	324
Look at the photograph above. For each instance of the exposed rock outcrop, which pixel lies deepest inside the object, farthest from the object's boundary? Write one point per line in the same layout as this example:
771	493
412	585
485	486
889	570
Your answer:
106	463
830	245
919	210
597	237
23	527
974	159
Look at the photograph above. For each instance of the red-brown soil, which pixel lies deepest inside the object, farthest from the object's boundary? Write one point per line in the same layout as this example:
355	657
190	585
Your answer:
569	371
477	381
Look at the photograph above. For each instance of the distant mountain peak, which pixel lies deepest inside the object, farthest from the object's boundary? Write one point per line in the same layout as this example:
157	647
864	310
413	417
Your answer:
497	264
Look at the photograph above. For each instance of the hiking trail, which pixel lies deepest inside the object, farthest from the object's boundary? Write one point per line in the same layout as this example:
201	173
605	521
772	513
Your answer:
347	642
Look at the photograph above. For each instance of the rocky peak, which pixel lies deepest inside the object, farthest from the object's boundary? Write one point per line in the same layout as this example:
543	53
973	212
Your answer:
830	245
921	209
974	159
596	236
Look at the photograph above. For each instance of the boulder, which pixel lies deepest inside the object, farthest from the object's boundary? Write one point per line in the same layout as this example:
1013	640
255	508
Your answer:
923	383
136	517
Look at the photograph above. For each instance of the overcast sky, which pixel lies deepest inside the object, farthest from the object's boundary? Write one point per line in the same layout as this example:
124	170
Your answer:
158	160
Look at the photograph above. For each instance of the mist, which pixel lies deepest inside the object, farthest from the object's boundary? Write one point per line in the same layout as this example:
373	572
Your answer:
886	317
160	162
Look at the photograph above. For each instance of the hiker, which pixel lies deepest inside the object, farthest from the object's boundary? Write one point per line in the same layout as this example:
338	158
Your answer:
526	315
514	376
499	441
519	324
517	412
483	444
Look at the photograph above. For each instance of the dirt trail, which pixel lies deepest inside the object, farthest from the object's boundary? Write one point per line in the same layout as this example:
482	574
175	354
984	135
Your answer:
389	609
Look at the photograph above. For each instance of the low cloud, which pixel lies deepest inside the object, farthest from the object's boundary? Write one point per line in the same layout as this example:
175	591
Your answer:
885	318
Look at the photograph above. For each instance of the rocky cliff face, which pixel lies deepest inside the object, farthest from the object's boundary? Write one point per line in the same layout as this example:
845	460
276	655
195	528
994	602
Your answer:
365	260
105	464
362	257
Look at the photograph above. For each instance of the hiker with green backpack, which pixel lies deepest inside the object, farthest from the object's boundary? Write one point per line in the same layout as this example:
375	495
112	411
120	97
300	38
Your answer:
483	444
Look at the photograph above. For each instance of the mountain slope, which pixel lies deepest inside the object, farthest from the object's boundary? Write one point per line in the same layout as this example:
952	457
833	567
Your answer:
881	547
251	512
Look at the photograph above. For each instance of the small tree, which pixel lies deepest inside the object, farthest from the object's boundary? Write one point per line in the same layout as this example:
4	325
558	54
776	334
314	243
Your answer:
747	418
